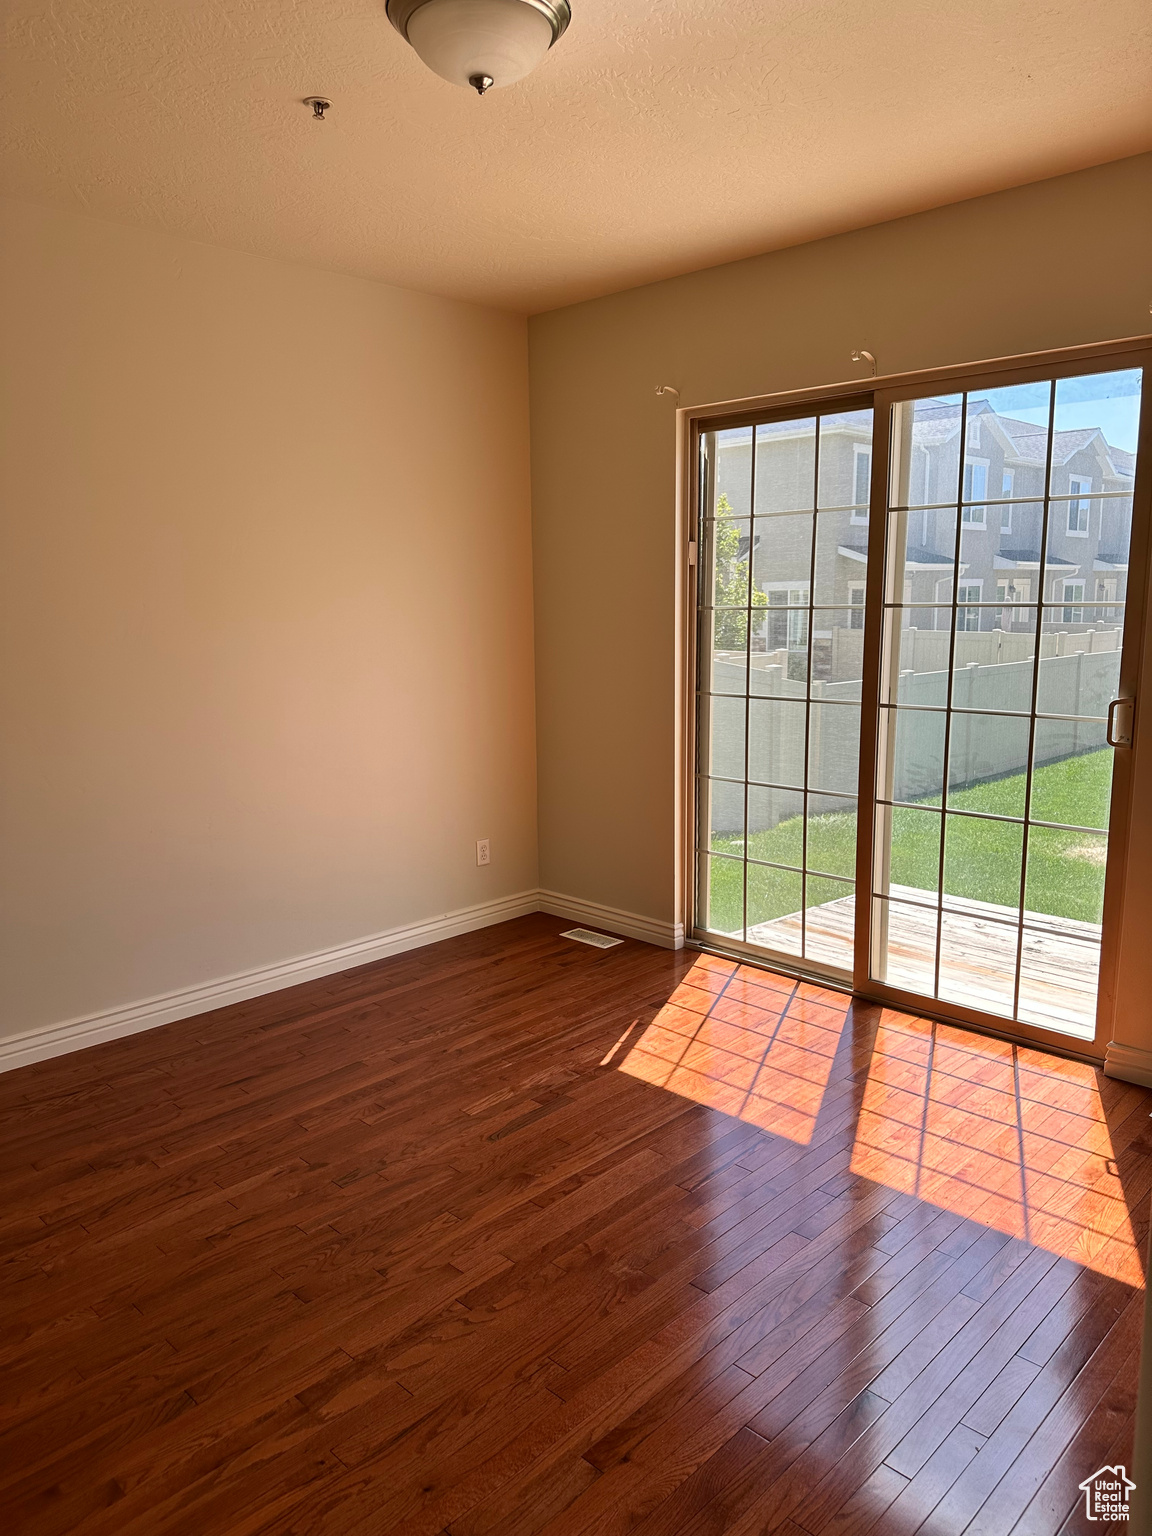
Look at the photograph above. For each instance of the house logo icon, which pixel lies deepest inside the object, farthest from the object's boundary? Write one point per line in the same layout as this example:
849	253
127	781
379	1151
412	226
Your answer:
1106	1494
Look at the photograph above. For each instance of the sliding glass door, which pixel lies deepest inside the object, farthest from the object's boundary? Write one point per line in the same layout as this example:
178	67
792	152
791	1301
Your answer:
911	685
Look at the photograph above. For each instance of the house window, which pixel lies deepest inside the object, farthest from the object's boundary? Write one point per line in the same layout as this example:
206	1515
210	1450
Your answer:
787	618
975	487
1006	480
861	481
856	598
968	592
1074	594
1078	508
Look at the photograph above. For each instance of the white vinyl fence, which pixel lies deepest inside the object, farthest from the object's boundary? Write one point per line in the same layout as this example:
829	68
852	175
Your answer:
1079	676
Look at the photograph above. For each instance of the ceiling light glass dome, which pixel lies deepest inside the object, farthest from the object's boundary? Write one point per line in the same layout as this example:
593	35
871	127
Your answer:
480	43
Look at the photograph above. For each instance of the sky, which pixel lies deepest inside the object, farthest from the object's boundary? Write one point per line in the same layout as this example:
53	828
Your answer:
1110	401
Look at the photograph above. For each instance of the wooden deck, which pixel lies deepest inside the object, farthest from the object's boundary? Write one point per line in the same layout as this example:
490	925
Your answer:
1059	961
513	1237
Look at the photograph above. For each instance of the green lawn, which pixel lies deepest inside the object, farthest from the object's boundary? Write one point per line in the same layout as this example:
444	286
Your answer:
982	858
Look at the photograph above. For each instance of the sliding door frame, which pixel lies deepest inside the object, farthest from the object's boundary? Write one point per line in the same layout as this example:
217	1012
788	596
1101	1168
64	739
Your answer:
882	393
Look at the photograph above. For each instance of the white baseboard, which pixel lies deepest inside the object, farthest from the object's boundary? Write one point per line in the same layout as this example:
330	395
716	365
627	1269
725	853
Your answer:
1132	1063
76	1034
630	924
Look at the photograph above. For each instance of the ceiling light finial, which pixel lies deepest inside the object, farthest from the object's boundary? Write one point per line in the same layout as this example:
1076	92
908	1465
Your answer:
480	43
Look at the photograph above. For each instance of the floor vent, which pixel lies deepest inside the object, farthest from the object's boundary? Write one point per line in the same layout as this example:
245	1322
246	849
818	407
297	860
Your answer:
586	936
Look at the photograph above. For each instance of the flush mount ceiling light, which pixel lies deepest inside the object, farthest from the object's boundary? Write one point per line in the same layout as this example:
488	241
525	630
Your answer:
480	43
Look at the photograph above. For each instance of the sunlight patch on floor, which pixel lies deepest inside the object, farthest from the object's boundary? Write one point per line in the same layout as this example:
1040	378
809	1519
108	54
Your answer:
1011	1137
749	1042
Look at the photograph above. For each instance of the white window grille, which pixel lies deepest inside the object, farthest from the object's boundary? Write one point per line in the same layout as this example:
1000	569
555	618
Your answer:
856	599
1074	595
1078	509
968	592
972	514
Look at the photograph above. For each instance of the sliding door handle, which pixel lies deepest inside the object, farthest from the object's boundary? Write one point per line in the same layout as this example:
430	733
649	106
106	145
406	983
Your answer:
1119	728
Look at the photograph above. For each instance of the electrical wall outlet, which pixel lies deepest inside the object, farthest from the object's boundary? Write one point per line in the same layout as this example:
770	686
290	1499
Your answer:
483	851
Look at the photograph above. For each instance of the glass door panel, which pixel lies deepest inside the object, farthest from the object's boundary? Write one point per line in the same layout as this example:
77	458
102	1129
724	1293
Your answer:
1008	521
783	561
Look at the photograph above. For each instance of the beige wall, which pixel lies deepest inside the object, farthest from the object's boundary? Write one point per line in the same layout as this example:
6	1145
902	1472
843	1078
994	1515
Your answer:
266	636
1054	264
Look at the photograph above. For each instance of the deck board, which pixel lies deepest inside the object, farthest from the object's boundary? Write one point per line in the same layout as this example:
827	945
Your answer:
1059	957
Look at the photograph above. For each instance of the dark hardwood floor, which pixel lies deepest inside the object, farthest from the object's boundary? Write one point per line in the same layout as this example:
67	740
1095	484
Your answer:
512	1236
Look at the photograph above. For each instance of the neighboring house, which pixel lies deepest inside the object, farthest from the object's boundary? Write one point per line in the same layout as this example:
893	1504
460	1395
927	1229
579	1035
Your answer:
1005	464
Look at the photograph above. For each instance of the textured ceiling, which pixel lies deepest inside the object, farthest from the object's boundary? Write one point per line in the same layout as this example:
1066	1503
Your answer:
658	137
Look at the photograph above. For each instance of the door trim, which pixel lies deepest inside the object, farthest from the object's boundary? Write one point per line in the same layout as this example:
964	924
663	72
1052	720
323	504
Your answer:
881	393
